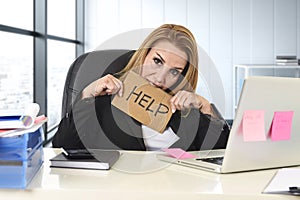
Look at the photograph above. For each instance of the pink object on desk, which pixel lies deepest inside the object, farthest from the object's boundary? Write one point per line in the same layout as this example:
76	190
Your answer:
179	153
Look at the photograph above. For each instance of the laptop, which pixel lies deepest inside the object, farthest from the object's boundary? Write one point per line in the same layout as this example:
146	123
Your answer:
271	94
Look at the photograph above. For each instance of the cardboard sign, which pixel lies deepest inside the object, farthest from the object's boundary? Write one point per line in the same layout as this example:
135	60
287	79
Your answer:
144	102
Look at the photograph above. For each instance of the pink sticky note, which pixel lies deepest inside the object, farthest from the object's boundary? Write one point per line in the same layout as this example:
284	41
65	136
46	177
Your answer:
254	125
281	125
179	153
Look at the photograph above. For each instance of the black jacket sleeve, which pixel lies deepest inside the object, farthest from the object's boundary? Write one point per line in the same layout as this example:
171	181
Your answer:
67	135
95	124
198	131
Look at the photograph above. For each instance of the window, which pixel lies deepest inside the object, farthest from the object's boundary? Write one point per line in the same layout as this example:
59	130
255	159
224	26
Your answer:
17	13
36	51
16	71
60	57
61	18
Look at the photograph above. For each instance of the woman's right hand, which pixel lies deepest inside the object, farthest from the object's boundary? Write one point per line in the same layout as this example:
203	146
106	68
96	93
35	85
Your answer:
106	85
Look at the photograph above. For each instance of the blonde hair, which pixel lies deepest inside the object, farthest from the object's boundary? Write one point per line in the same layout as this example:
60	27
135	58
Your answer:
181	38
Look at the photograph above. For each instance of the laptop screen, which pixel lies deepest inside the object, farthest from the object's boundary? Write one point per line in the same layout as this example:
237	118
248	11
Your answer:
273	102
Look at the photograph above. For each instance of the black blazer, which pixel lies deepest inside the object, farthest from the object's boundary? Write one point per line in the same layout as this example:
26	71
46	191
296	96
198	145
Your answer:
95	123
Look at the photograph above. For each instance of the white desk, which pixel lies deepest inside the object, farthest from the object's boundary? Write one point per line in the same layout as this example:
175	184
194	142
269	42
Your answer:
160	182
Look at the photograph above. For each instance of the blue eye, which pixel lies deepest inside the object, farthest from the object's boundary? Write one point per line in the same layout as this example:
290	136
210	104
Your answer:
174	72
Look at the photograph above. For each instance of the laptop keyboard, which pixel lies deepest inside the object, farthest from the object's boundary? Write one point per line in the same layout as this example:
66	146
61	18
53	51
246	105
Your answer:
215	160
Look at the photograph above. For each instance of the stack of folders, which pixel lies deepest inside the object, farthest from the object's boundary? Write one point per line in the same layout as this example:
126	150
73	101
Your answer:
85	159
21	146
287	60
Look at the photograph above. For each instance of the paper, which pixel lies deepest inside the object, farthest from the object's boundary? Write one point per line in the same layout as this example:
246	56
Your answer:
15	132
253	125
20	119
282	180
281	125
144	102
179	153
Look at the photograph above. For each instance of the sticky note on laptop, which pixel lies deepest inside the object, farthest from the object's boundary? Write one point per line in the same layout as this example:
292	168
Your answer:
179	153
253	124
281	125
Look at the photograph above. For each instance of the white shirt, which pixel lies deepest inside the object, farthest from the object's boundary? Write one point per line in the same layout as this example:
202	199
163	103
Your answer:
155	141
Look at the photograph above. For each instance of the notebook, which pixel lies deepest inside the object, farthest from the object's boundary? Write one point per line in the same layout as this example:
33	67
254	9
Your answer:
94	159
269	94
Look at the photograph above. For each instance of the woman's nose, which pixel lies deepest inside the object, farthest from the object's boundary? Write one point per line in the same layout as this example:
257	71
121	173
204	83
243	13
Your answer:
160	76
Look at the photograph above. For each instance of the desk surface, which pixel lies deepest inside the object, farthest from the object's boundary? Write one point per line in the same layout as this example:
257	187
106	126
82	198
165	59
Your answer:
139	175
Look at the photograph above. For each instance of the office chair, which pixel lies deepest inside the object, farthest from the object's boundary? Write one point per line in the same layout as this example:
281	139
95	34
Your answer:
87	68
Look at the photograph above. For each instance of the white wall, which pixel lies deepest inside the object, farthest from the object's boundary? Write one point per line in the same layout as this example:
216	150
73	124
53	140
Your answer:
229	31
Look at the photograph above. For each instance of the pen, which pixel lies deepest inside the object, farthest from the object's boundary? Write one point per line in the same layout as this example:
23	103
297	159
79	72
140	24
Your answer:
295	190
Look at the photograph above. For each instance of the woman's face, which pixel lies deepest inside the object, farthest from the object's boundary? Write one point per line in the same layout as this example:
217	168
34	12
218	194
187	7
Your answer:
163	65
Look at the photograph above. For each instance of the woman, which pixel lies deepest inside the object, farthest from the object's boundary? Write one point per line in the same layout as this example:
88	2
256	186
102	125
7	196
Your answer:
167	59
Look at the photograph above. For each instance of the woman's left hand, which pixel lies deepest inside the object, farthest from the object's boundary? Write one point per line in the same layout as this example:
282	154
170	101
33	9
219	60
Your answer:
185	100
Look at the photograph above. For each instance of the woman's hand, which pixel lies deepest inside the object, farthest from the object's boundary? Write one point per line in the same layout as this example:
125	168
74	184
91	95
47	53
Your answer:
106	85
185	100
